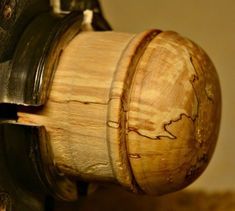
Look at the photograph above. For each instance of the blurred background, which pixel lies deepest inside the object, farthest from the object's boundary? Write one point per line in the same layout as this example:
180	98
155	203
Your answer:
211	24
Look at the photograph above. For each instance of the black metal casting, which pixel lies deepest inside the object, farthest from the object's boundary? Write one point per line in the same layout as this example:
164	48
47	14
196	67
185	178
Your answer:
32	38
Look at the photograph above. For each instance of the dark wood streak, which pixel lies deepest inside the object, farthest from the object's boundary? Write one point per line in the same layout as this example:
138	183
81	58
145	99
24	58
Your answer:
197	78
78	101
174	137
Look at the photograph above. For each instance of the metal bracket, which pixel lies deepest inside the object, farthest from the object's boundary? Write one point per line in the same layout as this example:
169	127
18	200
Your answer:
25	178
27	64
32	38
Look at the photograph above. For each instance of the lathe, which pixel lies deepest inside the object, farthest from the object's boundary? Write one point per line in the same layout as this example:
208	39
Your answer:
82	104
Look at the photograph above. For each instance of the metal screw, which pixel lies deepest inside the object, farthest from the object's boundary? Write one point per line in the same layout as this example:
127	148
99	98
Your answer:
7	12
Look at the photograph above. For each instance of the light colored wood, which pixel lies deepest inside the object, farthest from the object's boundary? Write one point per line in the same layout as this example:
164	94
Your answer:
139	110
174	114
76	112
118	108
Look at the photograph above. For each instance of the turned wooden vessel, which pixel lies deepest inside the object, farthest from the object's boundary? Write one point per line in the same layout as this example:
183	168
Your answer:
139	110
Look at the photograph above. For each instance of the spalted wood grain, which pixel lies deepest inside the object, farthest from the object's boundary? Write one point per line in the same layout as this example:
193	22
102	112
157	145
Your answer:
139	110
173	114
76	112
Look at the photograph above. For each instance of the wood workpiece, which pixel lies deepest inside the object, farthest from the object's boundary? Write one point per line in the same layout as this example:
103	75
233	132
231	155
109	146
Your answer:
139	110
